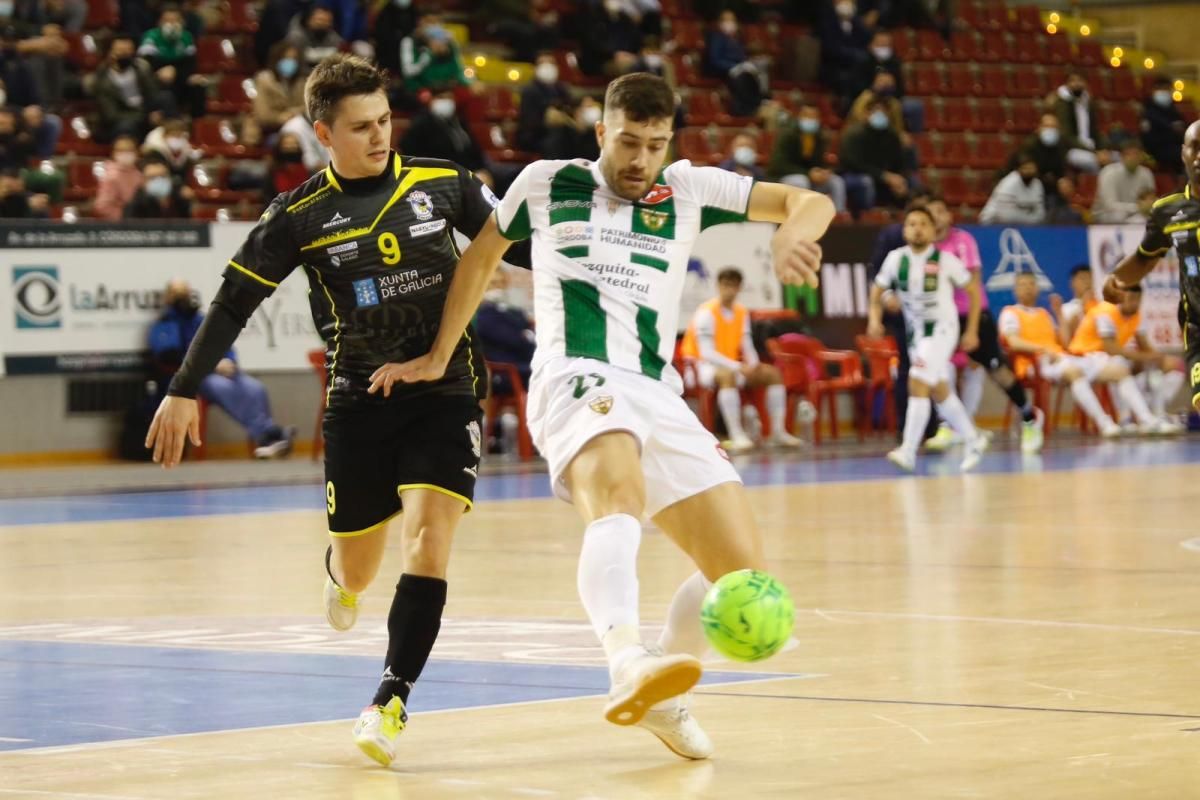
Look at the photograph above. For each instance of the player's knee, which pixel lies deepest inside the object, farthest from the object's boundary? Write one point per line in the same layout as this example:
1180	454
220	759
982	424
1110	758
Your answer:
427	550
355	577
1072	374
725	379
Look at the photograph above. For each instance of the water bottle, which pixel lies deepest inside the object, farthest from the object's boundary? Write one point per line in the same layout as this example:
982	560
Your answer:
509	422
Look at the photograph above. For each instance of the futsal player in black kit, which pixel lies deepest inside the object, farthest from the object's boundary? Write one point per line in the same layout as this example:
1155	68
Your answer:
373	234
1174	222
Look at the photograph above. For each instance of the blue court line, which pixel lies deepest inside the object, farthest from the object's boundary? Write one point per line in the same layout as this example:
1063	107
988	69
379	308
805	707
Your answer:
764	470
78	693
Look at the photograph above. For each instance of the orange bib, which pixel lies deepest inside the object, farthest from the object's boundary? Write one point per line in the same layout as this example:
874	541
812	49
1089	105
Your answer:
727	332
1087	337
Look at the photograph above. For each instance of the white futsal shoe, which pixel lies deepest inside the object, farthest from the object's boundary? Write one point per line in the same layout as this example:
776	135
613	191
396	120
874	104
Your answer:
678	729
781	438
902	459
341	607
377	728
647	679
975	450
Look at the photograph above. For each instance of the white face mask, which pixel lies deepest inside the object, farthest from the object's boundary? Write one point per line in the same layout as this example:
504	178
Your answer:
1161	98
159	187
546	72
443	107
612	6
125	158
172	30
882	53
745	155
653	61
728	28
845	10
176	143
590	116
1049	136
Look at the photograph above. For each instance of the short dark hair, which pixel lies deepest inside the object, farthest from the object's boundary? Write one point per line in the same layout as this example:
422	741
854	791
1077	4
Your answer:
1078	268
642	96
730	274
915	209
337	77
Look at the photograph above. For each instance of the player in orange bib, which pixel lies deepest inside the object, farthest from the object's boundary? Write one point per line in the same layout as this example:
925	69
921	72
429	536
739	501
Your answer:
718	337
1104	336
1030	334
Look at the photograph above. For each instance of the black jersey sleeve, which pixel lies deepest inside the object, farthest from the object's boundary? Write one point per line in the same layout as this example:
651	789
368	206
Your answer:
477	204
1155	241
269	253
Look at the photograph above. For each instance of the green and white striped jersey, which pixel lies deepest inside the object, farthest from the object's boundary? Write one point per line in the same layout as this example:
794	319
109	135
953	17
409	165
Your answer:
607	272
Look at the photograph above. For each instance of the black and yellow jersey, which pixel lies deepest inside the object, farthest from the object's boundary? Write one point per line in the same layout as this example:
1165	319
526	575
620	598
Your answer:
379	254
1175	222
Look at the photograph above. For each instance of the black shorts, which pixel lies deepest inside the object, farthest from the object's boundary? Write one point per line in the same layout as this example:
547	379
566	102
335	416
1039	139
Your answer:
1191	351
372	452
988	355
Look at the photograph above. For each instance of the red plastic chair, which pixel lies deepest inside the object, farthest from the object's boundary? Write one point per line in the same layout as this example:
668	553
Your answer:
823	384
514	400
880	352
706	396
201	453
316	359
1039	388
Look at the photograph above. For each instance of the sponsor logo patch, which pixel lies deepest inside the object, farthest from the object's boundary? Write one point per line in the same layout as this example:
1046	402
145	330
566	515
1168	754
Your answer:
426	228
658	194
337	221
422	204
365	293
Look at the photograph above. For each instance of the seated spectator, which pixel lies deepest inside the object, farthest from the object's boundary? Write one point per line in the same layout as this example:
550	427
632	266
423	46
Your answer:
430	59
725	57
171	52
577	140
315	37
240	396
1061	208
526	26
170	142
743	157
1121	185
1162	127
545	105
798	158
160	197
21	88
394	23
844	39
437	132
613	39
69	15
1019	198
505	332
1077	120
279	89
120	180
884	90
1083	299
350	18
316	156
872	160
41	44
127	93
718	337
1048	149
1105	336
274	24
18	203
286	170
1030	334
16	143
880	57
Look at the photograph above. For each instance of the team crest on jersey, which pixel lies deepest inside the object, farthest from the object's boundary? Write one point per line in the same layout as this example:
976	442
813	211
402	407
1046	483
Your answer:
422	204
653	220
613	205
658	194
476	438
602	404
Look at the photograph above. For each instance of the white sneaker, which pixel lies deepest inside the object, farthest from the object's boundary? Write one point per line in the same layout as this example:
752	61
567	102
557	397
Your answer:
1162	428
678	729
739	444
645	681
377	728
784	439
1032	433
943	440
1112	431
974	455
902	459
341	607
278	448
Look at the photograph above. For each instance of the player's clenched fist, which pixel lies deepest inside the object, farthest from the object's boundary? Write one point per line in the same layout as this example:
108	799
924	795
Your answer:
797	261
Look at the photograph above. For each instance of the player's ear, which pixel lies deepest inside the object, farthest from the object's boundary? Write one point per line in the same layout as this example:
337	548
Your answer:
600	134
324	133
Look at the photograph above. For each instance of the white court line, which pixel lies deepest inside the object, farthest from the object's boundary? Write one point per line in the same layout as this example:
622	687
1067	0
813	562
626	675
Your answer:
1036	623
10	739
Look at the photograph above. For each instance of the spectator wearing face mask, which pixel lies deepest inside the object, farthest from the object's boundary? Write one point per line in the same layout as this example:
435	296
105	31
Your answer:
1019	198
240	396
844	39
170	143
577	140
39	42
160	197
1162	126
1061	208
612	38
545	105
430	60
799	158
314	37
16	143
725	57
120	181
286	170
872	161
526	26
315	155
279	88
127	92
171	52
1120	185
743	157
437	132
1077	121
1047	147
396	21
879	57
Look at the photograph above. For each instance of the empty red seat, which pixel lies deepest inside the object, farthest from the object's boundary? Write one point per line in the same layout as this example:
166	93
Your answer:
1024	116
76	139
993	47
83	175
949	151
931	46
990	81
953	186
964	46
960	81
233	95
102	14
1122	85
904	42
995	15
703	107
1085	187
1165	183
1027	19
215	54
952	115
687	34
82	51
218	137
987	115
1089	53
991	151
499	103
925	79
241	18
687	72
1025	80
697	145
1057	49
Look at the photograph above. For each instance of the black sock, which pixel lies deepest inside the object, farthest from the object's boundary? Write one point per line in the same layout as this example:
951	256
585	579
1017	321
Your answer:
1016	393
413	625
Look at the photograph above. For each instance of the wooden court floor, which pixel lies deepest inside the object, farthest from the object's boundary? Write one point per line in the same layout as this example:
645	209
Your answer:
1026	635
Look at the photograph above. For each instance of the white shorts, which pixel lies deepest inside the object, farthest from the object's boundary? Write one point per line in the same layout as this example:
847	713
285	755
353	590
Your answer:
706	375
929	355
1091	365
574	400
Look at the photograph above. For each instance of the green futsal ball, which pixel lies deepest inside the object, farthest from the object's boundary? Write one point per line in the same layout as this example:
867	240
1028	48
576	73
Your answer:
747	615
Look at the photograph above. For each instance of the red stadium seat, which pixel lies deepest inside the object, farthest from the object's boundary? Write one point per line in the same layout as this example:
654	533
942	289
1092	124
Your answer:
1122	85
979	188
687	72
987	116
904	42
1024	116
931	46
759	39
500	103
82	51
964	46
688	35
960	82
1089	53
704	107
994	47
242	18
698	145
925	79
1165	183
949	151
215	54
1085	188
995	15
1057	49
102	14
990	81
991	151
952	115
1025	80
76	139
1027	19
218	137
234	93
953	186
83	175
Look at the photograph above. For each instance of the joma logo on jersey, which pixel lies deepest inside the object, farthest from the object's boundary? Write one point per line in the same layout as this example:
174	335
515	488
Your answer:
653	220
422	204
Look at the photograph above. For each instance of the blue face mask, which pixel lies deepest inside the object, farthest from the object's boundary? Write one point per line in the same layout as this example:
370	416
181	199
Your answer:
287	67
878	120
810	125
1049	136
1163	98
159	187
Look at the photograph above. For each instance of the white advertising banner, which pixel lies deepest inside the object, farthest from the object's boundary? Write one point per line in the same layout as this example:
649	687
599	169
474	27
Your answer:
1107	245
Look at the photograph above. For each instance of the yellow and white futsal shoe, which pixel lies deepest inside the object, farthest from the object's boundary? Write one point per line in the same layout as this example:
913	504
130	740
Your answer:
672	723
647	679
377	728
341	607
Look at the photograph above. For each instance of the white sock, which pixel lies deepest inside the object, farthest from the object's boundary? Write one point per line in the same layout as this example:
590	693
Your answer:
1128	390
972	389
1085	396
915	420
1120	407
683	632
953	411
777	408
952	376
608	584
730	402
1168	385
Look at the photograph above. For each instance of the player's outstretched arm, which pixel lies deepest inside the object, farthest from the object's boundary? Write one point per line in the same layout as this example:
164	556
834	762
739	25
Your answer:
875	311
471	277
1129	272
803	217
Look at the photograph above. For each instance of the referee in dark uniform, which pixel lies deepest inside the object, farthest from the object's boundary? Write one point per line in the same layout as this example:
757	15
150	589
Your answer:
1174	222
373	234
